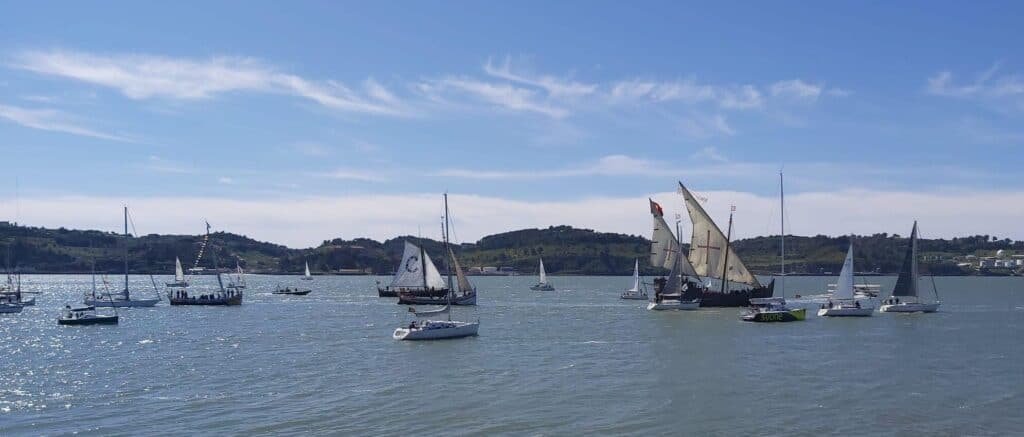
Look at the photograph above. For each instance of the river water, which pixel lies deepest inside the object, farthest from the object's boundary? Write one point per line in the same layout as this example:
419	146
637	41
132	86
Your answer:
574	361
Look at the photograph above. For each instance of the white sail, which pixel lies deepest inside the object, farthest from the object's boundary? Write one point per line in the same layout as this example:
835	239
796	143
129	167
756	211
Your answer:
844	286
708	247
307	269
636	277
543	275
411	273
179	274
428	313
665	246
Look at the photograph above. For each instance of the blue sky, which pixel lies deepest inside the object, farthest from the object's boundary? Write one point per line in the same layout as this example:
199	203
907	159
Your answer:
300	122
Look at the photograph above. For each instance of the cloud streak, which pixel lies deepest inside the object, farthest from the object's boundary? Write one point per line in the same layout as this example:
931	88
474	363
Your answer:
54	121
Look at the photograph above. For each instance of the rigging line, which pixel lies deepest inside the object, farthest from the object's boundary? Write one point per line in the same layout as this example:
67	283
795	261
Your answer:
135	232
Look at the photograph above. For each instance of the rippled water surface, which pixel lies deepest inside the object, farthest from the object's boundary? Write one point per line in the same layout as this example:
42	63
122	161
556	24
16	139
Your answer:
574	361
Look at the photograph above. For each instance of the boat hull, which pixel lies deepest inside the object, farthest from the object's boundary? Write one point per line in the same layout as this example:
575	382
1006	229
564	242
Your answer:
96	320
10	309
216	301
293	293
633	296
121	303
461	329
464	300
912	307
542	287
735	298
665	305
846	312
793	315
387	292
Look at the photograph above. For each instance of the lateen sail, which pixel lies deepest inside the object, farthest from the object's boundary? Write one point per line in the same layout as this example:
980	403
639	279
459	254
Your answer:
844	287
463	281
665	246
708	245
543	276
179	274
906	284
410	272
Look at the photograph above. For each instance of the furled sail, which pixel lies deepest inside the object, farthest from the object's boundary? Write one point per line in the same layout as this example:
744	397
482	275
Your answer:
906	284
665	246
844	287
410	272
461	279
179	274
543	275
708	247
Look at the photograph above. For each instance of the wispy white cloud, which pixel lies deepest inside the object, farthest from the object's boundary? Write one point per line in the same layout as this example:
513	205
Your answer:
310	149
503	95
796	89
987	84
225	180
703	126
555	87
612	166
54	121
149	76
162	165
355	174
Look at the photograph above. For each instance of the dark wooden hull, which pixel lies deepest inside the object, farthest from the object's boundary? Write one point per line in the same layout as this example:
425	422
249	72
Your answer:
216	301
294	293
735	298
111	320
387	292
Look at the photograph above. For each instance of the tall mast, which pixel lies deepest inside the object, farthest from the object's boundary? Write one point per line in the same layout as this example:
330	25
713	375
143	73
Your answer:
126	251
782	234
451	259
423	263
725	258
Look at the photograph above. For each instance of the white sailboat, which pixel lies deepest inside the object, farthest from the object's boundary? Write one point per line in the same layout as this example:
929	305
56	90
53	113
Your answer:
307	276
122	299
905	294
429	329
674	292
179	275
638	291
416	274
843	302
238	282
543	284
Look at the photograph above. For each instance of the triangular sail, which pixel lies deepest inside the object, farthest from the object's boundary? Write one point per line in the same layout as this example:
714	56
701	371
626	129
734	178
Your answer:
307	269
906	284
636	277
844	287
461	279
543	275
410	272
179	274
665	246
708	245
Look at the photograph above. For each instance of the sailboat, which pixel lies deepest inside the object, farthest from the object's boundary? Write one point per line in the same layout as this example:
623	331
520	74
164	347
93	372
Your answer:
675	292
307	276
543	285
712	256
638	291
122	299
440	329
220	297
416	275
179	275
843	302
462	292
86	315
905	294
238	282
774	309
11	299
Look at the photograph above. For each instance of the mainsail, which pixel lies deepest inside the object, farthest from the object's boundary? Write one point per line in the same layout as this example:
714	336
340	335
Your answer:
543	275
179	274
410	272
636	277
844	287
709	247
307	269
906	284
665	247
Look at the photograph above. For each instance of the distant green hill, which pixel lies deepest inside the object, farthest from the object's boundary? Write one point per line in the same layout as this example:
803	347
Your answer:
566	250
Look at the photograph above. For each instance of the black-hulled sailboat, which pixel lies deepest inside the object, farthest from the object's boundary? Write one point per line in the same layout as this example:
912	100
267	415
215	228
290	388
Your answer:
462	292
712	257
220	297
416	275
906	294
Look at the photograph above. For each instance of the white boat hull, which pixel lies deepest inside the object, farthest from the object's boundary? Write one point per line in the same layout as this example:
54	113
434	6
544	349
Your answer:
631	296
460	329
909	307
846	312
674	305
121	303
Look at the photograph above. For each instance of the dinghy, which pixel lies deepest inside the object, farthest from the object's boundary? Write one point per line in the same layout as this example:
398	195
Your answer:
293	291
639	291
85	315
543	284
905	296
843	302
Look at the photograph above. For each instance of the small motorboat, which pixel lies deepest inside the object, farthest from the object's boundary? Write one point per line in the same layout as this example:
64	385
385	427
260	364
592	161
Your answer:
85	315
667	302
772	309
293	291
